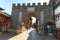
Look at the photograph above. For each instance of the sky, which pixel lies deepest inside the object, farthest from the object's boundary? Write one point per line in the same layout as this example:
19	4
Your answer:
7	4
57	10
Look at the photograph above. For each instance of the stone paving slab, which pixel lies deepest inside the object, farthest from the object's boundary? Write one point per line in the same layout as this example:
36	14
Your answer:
30	34
23	36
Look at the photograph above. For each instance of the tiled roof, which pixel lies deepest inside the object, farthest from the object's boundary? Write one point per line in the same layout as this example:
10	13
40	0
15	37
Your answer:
1	8
5	14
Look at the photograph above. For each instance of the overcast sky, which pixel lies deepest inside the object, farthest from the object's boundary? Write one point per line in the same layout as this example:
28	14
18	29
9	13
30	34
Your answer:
7	4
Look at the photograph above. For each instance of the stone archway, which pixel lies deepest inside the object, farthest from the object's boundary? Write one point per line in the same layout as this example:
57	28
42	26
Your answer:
49	28
28	15
28	20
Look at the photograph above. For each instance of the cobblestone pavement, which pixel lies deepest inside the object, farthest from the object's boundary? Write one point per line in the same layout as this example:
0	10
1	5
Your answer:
30	34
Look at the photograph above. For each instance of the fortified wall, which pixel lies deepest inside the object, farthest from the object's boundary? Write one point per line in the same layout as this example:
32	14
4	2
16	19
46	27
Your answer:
44	12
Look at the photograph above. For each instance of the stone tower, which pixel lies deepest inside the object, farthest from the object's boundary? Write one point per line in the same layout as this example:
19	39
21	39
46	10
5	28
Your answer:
44	13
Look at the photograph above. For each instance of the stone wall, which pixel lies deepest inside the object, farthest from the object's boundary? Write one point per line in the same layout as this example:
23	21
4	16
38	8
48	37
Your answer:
16	9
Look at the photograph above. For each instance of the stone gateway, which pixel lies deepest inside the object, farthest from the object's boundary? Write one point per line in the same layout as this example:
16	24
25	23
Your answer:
42	13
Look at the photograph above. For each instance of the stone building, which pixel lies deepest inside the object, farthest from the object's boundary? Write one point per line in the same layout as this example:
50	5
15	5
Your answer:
42	13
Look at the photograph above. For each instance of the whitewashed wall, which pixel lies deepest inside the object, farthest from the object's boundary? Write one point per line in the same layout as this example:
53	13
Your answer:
58	21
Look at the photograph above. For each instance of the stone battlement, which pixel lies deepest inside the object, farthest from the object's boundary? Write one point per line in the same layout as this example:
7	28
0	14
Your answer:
28	4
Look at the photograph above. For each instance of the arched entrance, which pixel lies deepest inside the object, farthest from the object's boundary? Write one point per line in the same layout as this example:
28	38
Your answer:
49	28
28	19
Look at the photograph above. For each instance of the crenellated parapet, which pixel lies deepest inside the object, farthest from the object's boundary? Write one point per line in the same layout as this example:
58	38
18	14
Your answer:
23	4
44	3
14	4
39	4
33	4
18	4
28	4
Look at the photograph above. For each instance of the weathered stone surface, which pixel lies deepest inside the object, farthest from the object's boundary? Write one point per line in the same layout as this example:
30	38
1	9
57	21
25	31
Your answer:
47	9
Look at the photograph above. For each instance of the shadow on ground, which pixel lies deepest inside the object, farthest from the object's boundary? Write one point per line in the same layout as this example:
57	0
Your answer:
7	35
34	35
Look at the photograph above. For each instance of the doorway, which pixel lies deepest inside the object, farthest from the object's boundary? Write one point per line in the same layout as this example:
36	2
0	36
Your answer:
30	20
